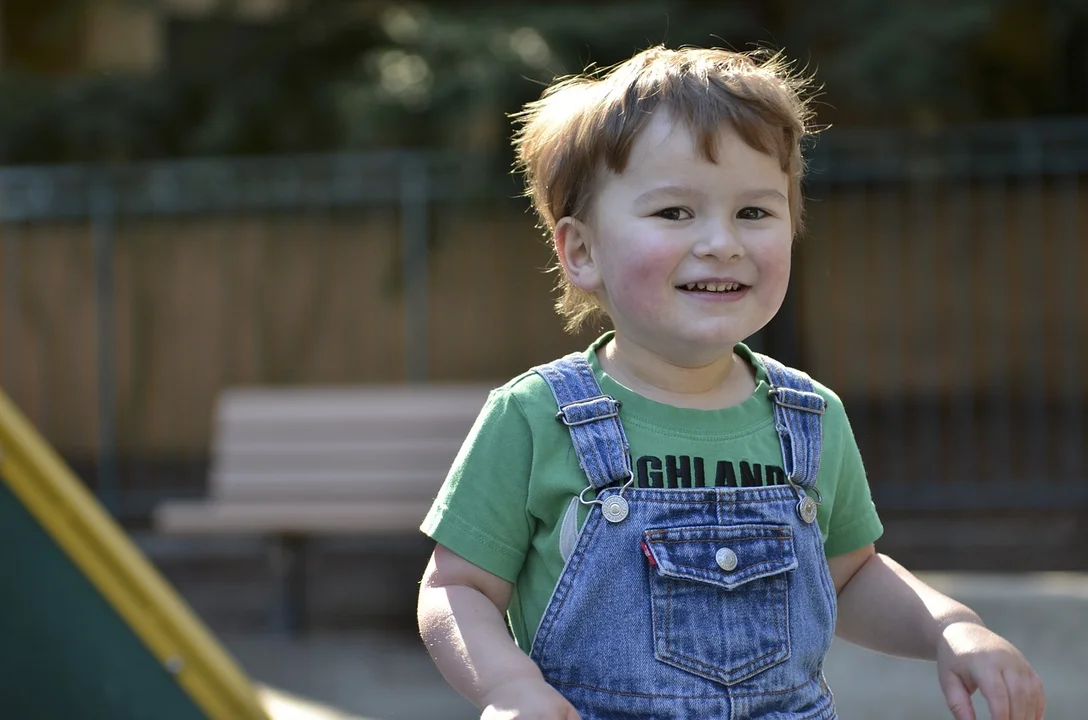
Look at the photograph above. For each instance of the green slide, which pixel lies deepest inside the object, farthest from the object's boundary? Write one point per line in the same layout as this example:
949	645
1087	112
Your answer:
88	628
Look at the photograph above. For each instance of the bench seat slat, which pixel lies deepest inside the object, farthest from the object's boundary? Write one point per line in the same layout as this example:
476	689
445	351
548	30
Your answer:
375	430
292	487
276	518
308	404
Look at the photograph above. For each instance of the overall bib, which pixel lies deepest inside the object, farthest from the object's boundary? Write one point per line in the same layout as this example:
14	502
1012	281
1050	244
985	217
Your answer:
690	603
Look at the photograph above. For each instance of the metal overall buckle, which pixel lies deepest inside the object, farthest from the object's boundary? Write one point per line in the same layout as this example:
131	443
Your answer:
614	507
807	506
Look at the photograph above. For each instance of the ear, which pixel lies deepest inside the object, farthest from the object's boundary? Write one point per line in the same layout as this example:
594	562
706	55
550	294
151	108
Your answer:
574	246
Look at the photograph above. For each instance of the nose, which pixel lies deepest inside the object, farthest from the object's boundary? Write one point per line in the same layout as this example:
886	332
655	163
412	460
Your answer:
720	240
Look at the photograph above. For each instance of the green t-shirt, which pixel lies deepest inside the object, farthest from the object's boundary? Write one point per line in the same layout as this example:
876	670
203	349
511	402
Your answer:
503	503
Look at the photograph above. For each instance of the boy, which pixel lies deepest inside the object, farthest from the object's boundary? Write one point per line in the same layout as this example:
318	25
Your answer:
674	525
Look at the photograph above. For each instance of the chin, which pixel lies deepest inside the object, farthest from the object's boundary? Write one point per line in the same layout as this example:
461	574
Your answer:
725	337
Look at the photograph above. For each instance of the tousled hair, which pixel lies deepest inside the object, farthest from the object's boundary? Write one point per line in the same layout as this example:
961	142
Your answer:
585	123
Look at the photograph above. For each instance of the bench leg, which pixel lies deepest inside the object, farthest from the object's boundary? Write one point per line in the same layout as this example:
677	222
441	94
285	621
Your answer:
287	555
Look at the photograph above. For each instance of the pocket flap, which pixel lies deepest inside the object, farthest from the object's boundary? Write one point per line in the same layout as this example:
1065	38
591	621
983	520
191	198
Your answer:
723	555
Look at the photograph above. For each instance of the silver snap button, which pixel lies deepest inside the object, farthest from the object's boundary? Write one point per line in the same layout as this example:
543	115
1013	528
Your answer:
726	559
614	508
807	509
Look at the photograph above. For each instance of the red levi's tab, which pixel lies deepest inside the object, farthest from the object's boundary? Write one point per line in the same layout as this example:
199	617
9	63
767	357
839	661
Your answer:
649	555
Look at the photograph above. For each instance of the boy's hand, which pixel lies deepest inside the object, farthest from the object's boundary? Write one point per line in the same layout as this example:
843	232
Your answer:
531	699
971	657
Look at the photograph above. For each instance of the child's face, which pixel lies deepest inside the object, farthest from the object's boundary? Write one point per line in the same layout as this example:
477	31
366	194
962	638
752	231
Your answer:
689	257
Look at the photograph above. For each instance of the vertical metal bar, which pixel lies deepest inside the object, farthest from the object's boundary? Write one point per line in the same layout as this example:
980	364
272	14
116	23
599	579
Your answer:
231	304
104	208
998	429
414	243
820	204
896	449
858	261
12	290
1031	284
262	352
1071	345
350	183
45	355
962	354
926	418
230	273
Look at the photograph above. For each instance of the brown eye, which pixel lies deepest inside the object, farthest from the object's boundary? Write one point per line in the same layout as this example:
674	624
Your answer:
752	213
674	213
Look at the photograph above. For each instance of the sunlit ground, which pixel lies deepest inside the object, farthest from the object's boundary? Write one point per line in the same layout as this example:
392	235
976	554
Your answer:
281	705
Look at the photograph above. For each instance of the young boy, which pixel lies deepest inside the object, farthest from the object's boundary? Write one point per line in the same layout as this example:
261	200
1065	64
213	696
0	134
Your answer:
674	525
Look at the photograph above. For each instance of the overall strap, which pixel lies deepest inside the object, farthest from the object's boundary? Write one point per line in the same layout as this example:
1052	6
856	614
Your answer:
592	418
797	412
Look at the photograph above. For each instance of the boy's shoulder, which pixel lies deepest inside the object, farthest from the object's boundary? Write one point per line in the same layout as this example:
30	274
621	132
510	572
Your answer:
528	390
526	386
834	402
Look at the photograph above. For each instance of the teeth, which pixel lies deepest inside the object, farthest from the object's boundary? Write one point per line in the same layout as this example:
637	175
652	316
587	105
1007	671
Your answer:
713	287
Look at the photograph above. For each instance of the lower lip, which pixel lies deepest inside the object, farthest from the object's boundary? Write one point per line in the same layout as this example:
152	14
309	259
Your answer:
717	296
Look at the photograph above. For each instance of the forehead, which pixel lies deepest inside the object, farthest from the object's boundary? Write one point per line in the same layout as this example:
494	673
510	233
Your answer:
668	149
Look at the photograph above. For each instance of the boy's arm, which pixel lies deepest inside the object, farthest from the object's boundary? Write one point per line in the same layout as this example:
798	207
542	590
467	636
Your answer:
882	606
461	621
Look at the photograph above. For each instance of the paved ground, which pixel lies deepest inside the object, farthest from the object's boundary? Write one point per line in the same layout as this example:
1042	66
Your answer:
385	674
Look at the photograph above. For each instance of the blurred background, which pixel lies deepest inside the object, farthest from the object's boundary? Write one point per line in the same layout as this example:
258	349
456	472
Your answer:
198	195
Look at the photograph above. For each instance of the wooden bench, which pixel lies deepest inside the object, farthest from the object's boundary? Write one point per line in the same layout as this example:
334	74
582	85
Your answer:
289	464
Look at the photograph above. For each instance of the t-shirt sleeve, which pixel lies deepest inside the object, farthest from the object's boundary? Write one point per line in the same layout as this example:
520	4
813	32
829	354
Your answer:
480	511
854	522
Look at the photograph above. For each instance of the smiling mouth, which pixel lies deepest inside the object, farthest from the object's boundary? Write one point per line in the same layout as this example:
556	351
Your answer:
730	287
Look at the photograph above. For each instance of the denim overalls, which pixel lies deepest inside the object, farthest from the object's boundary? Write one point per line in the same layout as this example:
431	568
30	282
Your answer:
690	603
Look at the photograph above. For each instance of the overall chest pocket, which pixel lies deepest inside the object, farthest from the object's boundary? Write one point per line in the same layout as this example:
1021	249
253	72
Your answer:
720	598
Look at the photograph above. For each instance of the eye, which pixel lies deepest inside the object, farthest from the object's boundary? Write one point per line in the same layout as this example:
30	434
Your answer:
752	213
674	214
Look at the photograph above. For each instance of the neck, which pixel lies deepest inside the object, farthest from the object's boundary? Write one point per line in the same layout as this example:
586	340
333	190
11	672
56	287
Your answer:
722	381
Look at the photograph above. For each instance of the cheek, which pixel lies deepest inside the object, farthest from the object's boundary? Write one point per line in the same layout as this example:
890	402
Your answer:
775	270
782	262
640	278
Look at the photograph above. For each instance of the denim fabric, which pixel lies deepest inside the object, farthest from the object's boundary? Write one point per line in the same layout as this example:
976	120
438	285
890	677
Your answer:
797	412
593	417
702	602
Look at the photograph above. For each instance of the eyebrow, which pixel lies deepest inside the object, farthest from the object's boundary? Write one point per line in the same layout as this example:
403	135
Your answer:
665	192
674	191
764	194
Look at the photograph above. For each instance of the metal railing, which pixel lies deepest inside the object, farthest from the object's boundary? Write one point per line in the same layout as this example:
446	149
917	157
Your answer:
947	269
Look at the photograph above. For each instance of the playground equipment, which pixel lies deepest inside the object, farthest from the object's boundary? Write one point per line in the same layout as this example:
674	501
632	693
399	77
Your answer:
88	627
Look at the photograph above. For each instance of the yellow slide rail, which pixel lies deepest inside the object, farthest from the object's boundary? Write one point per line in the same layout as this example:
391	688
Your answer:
71	515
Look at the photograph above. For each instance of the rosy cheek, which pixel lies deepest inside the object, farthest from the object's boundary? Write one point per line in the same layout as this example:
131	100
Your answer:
775	276
645	270
782	269
641	281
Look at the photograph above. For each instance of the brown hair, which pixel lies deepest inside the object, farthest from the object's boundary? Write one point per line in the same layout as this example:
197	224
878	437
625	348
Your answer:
584	123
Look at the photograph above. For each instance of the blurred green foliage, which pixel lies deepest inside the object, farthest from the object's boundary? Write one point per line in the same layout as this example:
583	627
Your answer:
345	74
